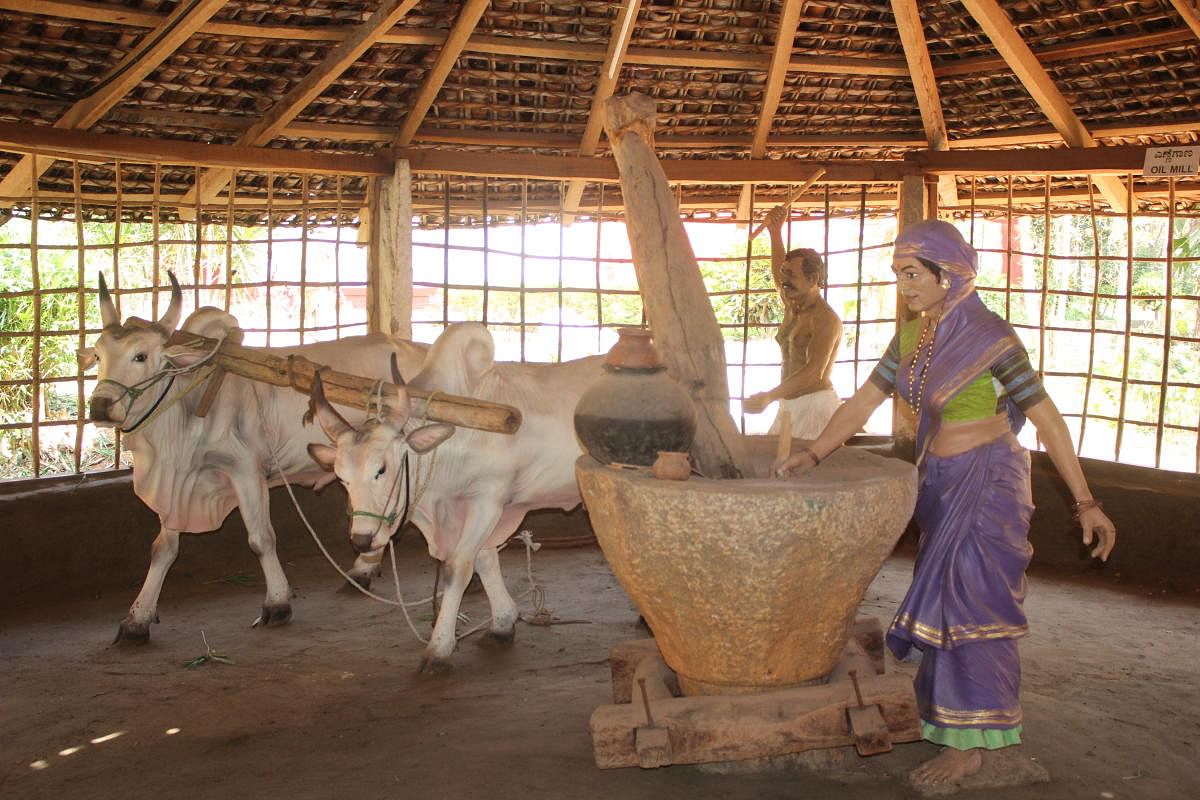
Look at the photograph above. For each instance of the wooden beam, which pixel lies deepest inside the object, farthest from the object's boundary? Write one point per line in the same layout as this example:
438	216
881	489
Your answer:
175	29
337	61
1190	12
618	44
768	171
781	56
1004	36
69	144
435	78
1094	161
920	68
389	265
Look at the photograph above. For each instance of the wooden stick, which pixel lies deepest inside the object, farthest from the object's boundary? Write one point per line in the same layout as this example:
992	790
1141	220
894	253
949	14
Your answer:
342	388
793	195
783	448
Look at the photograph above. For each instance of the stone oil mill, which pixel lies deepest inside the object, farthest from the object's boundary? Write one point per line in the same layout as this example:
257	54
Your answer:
748	582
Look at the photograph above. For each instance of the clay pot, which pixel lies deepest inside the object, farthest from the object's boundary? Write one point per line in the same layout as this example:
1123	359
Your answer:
671	466
634	409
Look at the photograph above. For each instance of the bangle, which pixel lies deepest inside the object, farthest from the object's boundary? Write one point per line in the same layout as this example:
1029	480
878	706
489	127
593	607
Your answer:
1085	505
816	458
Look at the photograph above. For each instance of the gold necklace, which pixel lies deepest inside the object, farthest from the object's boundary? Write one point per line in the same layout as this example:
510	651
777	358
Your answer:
919	380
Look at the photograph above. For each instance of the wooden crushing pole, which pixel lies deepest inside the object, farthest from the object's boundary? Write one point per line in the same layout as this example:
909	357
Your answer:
353	391
673	294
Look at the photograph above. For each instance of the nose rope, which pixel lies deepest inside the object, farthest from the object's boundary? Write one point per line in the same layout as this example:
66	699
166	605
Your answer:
391	517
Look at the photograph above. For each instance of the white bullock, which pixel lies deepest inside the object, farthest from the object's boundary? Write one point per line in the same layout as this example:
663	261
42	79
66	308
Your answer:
479	486
192	471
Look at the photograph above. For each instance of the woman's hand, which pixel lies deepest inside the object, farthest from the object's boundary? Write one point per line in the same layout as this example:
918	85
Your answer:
756	403
775	218
1097	526
797	463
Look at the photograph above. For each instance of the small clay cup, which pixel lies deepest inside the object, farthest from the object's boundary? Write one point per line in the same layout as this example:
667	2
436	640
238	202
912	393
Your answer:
671	466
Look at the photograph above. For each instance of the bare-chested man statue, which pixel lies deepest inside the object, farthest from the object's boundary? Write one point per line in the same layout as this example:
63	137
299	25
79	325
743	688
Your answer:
809	337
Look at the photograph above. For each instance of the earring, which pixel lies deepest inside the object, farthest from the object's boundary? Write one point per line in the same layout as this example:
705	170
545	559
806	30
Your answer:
945	284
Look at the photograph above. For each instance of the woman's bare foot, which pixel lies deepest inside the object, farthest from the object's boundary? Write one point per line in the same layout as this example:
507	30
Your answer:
948	766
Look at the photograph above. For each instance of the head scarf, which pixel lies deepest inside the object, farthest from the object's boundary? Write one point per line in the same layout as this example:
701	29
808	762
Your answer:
968	339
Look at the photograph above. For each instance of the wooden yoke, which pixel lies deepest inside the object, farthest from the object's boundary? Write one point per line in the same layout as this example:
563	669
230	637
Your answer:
342	388
677	305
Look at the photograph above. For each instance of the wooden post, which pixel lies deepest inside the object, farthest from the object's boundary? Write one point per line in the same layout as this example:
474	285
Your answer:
676	303
914	206
389	275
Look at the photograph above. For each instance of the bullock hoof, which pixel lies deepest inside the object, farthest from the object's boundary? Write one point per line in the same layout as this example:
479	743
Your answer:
363	581
432	665
131	632
275	615
503	638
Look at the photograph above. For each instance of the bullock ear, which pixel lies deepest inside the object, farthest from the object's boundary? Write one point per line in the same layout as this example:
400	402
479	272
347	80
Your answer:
87	358
323	454
183	356
425	438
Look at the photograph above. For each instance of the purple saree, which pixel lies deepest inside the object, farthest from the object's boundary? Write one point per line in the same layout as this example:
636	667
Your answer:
964	609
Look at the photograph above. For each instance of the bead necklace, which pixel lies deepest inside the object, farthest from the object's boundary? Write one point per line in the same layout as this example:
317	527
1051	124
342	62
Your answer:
919	394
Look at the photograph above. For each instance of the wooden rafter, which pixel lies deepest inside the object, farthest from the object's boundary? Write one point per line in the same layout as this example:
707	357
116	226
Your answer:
464	26
1190	11
920	68
1004	36
83	10
610	68
308	89
156	47
781	56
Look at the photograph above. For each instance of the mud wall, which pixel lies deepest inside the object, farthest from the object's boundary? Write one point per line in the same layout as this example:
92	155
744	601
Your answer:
88	535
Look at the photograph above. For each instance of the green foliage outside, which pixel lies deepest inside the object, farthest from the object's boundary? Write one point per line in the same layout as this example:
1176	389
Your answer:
575	302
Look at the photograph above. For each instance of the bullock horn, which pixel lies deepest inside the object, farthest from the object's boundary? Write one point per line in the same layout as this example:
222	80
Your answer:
331	421
400	412
397	378
170	319
108	311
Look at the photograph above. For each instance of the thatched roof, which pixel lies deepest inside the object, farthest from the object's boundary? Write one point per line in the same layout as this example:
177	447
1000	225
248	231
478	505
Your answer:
730	79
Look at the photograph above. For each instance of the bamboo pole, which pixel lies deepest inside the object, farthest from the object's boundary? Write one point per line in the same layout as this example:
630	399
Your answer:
793	195
344	389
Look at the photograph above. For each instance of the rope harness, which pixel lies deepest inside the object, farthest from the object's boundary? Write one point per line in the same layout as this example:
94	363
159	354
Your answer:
130	394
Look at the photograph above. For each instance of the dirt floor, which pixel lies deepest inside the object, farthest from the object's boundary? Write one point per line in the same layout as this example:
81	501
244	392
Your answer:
330	705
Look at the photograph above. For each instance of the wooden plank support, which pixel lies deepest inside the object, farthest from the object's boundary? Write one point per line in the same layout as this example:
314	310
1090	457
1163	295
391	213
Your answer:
86	145
734	727
351	391
673	294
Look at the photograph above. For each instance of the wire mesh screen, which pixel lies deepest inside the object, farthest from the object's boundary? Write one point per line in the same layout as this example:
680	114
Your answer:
286	265
550	291
1108	306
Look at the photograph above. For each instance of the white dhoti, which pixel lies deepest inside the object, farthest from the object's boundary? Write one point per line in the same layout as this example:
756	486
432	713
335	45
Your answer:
810	413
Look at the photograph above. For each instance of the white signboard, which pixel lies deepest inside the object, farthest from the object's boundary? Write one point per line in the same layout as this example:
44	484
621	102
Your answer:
1172	162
